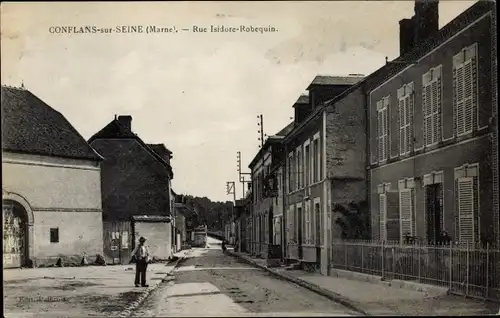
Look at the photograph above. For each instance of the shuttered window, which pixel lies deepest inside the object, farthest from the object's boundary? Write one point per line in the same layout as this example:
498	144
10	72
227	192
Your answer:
307	159
383	128
383	216
307	225
431	104
405	109
465	90
406	213
466	209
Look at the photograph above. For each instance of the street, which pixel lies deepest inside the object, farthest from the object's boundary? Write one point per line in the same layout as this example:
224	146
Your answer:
209	283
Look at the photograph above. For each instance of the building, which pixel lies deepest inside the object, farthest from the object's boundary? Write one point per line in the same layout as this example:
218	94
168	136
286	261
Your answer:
432	168
184	216
51	186
264	192
319	148
136	192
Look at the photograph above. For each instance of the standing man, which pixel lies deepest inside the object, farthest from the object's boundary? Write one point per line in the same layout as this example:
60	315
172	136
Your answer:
141	254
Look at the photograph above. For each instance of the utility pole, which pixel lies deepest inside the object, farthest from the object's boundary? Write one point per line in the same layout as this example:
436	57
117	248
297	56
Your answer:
261	130
231	189
242	174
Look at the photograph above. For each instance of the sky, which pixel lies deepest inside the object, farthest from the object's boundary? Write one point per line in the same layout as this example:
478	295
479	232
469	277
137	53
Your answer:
197	93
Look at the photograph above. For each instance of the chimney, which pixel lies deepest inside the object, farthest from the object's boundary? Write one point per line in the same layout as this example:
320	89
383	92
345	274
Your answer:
426	20
126	121
406	35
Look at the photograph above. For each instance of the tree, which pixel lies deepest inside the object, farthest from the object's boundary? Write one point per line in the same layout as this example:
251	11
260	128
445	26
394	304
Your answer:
354	220
212	213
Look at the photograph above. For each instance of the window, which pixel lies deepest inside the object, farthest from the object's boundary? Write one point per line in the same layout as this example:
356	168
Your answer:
434	204
300	174
294	173
307	224
467	198
465	90
307	157
298	224
383	128
431	103
405	98
383	216
317	234
290	165
406	208
316	160
54	235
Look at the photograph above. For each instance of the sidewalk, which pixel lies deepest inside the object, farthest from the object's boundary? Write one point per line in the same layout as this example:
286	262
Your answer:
371	298
79	291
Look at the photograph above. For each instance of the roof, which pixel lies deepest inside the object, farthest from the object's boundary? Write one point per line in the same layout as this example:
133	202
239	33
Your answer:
302	100
271	140
335	80
444	34
115	130
184	209
160	149
286	130
31	126
390	69
151	218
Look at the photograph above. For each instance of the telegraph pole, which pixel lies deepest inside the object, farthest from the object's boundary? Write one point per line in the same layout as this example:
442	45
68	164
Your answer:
231	189
261	130
242	174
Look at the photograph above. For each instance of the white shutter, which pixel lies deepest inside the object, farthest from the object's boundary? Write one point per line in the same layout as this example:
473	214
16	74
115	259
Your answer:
459	100
468	107
409	122
383	216
436	110
427	104
385	132
380	137
402	127
406	212
466	209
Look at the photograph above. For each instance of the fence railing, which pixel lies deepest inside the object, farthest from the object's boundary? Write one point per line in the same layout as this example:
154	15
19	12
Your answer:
467	269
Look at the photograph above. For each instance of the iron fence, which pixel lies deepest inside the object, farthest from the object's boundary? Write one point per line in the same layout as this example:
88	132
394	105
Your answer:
466	269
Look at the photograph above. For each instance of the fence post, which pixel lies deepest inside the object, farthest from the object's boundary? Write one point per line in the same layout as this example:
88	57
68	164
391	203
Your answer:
362	258
419	263
487	270
345	255
393	262
450	268
383	265
467	272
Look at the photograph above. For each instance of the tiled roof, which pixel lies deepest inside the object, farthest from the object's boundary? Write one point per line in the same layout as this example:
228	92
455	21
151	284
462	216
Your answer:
335	80
160	149
286	130
303	99
31	126
115	130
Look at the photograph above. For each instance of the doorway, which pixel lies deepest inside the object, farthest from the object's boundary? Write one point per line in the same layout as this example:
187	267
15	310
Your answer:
434	211
15	234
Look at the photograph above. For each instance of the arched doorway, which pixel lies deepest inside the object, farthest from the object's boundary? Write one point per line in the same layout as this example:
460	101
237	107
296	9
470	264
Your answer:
15	234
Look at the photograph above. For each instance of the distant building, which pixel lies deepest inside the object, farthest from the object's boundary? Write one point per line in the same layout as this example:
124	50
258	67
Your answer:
136	192
51	177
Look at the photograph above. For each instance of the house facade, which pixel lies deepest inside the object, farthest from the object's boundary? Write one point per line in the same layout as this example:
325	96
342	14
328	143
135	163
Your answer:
315	147
51	186
136	193
431	134
264	193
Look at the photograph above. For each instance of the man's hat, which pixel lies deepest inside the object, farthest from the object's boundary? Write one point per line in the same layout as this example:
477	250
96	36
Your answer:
142	239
